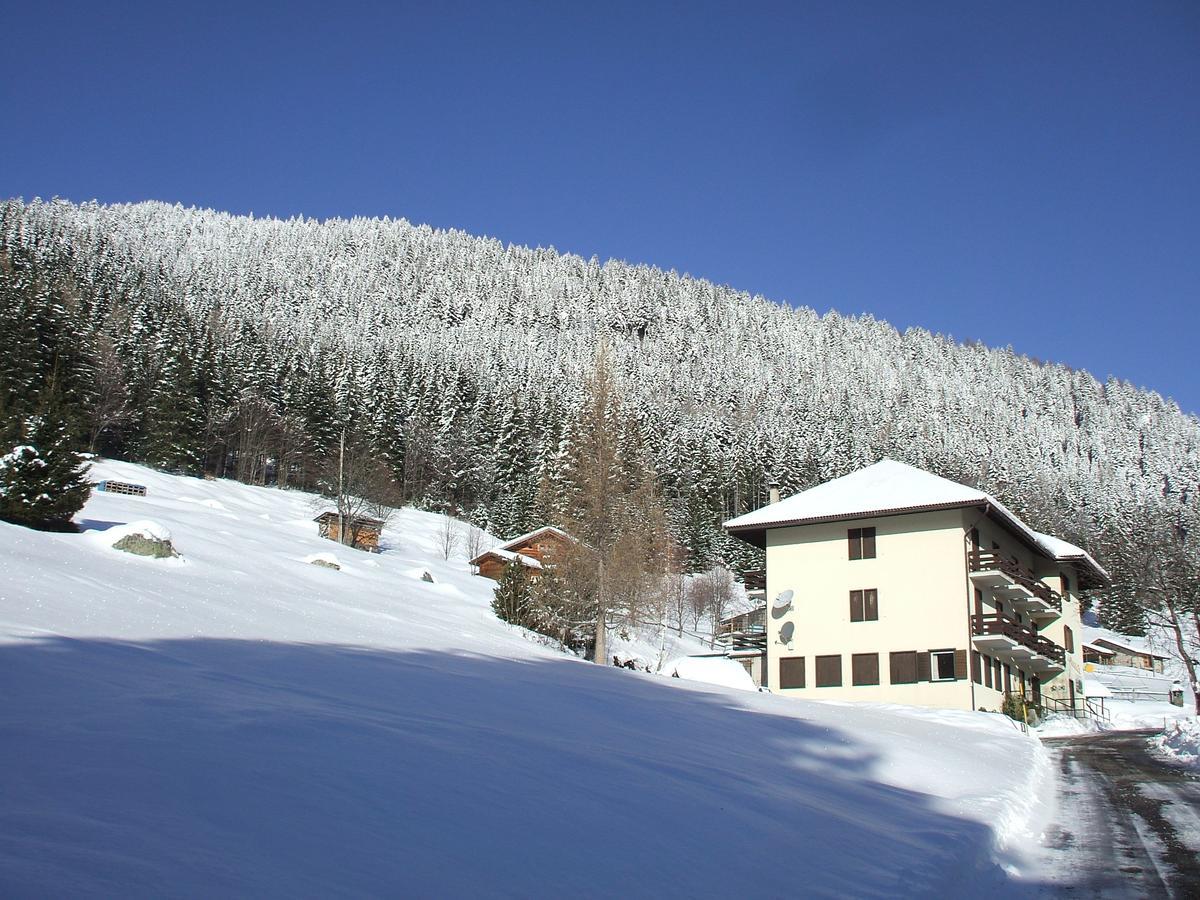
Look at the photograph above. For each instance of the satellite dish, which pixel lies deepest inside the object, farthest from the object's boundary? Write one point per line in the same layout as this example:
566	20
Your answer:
784	599
786	632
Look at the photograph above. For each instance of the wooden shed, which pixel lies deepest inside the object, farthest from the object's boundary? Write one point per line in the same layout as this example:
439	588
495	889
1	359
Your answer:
364	530
533	550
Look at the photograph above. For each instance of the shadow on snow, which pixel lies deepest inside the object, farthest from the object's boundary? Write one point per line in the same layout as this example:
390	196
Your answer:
191	767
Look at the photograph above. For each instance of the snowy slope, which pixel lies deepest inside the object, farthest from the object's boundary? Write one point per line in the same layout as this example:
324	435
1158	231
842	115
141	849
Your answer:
240	721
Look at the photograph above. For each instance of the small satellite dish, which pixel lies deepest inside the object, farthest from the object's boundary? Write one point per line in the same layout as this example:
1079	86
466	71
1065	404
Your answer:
786	632
784	599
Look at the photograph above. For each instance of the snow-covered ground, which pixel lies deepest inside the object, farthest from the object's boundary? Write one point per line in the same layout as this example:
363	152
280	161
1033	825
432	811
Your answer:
1180	742
240	720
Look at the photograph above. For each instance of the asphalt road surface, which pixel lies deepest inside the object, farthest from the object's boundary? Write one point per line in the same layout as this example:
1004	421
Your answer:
1128	823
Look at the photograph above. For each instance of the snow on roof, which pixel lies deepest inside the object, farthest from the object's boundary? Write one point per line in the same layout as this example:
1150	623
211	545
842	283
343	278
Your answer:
508	556
1068	552
889	487
532	534
1128	642
1103	651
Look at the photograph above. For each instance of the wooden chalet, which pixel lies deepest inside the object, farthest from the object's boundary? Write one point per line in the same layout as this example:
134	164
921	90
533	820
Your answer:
364	530
532	550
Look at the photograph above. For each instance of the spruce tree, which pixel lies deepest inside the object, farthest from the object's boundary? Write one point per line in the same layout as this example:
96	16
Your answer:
43	480
511	601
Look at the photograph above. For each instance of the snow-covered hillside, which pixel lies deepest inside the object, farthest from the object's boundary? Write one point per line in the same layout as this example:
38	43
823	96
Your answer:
238	720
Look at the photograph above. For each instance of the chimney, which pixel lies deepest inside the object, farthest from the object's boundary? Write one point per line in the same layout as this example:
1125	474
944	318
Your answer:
774	486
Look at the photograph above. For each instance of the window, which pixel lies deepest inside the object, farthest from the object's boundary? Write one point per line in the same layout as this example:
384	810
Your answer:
904	667
864	668
829	671
864	606
996	674
941	664
862	543
976	667
1007	678
791	672
1068	639
987	672
1066	584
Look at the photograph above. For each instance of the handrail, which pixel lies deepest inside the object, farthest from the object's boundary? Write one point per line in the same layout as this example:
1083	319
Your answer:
985	560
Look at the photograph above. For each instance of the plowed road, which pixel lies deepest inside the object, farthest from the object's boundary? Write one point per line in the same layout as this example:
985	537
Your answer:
1128	824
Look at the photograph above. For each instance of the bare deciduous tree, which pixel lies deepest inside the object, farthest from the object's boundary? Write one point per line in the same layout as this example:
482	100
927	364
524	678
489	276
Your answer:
475	541
360	485
709	595
112	407
613	574
448	535
1167	582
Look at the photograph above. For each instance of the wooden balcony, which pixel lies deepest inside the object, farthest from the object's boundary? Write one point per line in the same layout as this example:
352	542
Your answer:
997	636
1014	583
751	639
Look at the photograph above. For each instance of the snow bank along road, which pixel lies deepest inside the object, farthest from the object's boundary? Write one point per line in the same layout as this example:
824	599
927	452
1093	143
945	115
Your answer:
1128	823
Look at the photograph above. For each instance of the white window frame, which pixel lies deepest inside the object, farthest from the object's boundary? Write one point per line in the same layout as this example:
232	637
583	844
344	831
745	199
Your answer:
934	668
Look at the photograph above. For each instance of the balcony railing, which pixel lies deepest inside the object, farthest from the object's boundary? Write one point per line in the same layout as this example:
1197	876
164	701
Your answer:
993	624
989	561
750	639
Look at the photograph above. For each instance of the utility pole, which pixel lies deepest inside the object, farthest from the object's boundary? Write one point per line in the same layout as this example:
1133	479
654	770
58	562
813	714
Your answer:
342	487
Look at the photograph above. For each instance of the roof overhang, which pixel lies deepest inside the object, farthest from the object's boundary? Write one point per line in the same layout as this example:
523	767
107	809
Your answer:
757	534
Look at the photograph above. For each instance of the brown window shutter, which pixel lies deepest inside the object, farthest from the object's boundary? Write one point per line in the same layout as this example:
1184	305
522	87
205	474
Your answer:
854	539
864	668
976	667
960	664
903	665
987	672
922	665
871	605
868	543
856	606
791	672
829	671
1068	639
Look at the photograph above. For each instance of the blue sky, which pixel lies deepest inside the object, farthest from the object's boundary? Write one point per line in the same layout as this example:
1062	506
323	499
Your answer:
1024	174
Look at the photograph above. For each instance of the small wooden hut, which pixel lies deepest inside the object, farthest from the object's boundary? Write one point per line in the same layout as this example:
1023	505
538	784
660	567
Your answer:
364	531
531	550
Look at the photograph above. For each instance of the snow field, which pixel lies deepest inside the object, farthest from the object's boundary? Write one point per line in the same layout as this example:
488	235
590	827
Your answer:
241	721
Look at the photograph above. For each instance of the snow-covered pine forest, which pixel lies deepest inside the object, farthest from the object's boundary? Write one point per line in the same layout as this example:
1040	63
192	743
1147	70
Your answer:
196	340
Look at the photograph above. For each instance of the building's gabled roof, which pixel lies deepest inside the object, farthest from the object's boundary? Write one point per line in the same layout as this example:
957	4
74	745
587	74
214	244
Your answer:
504	551
358	521
890	488
1129	643
886	487
508	556
532	534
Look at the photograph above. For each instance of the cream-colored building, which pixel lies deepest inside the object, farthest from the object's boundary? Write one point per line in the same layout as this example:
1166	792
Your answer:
894	585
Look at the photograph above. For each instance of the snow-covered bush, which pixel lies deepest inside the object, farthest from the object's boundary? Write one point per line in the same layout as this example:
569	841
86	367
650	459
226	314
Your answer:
143	538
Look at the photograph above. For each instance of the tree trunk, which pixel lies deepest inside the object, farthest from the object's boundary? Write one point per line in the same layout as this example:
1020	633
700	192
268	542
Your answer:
600	656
